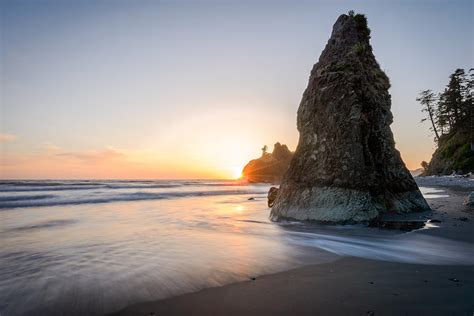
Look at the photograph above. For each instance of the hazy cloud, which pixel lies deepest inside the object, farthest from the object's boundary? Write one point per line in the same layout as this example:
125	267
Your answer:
93	156
7	138
50	147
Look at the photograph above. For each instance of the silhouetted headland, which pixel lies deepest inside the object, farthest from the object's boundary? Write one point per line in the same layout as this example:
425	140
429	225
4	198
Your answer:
270	167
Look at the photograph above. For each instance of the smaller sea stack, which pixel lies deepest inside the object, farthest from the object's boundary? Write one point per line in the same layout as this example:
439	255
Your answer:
270	167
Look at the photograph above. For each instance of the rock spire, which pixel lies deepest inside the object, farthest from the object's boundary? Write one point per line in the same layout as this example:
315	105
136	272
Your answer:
346	167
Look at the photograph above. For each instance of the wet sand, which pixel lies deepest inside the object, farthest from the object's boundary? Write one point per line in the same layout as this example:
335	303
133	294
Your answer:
349	286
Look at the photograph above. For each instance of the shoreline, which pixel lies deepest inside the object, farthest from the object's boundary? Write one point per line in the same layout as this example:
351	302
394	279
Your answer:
453	182
350	285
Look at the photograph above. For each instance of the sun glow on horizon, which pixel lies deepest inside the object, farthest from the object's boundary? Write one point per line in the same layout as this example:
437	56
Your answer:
237	172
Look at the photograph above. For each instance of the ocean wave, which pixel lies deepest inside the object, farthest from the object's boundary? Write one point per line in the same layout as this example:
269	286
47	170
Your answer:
149	186
84	187
13	198
137	196
37	186
46	183
42	225
49	188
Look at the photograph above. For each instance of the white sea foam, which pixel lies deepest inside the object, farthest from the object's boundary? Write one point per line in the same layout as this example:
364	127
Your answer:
407	248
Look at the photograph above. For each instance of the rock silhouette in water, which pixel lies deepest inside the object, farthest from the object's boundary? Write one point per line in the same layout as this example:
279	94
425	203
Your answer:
270	167
346	167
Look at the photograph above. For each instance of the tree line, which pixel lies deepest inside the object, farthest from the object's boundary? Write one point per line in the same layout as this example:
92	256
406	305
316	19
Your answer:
452	110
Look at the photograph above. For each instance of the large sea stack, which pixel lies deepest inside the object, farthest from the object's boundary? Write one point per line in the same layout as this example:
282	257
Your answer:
346	168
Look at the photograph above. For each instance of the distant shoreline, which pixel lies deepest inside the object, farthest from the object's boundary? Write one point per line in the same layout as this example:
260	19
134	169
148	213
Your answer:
446	181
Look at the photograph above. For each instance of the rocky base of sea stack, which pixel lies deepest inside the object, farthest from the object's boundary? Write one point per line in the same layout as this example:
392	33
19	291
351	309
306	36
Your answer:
340	205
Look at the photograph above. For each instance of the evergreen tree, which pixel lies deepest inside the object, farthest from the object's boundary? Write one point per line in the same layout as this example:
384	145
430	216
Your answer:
452	110
469	104
451	114
444	118
454	102
428	102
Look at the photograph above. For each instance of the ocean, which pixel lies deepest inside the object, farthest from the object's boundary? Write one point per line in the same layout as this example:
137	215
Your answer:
94	247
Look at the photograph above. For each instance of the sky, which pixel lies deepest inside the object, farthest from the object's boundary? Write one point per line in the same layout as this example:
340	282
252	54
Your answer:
194	89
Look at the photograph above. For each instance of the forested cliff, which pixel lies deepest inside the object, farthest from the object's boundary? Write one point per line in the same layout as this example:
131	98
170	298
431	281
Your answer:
451	115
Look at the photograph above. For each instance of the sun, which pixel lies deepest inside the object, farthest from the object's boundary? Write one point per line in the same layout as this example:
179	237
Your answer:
236	172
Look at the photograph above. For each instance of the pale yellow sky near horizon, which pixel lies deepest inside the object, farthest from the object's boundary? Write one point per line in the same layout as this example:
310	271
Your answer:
215	158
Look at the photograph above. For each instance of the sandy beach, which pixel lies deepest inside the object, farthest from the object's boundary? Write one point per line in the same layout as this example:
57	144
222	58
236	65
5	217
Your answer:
349	286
